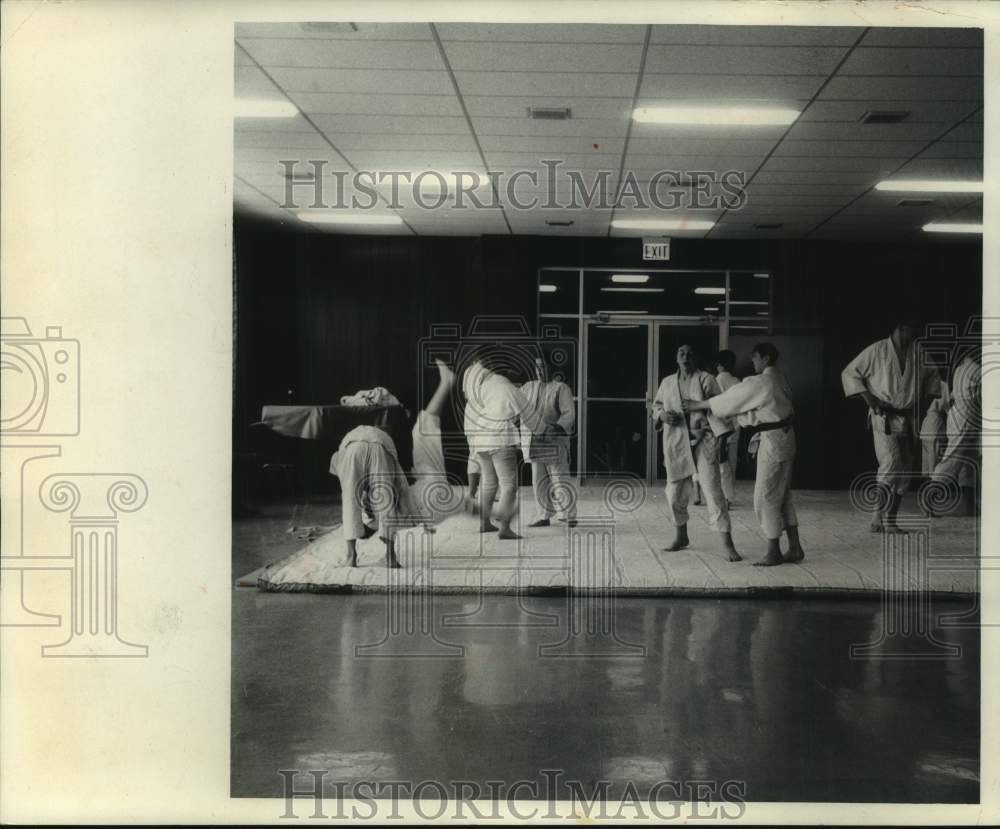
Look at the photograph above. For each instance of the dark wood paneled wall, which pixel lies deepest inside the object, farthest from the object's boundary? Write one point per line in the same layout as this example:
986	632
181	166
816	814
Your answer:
322	315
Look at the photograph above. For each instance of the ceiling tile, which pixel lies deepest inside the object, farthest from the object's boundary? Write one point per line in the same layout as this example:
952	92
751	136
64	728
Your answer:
543	57
344	54
913	61
511	106
755	35
556	146
397	124
597	129
906	131
541	33
336	30
727	87
363	80
346	103
916	89
852	149
582	84
914	36
743	60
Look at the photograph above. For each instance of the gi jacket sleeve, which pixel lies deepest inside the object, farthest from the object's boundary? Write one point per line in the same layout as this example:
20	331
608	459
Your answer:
567	409
856	372
709	389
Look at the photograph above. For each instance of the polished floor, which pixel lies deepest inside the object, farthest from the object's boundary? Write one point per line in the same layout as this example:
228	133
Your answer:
764	692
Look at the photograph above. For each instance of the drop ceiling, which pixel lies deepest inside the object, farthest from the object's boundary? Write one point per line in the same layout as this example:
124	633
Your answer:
422	96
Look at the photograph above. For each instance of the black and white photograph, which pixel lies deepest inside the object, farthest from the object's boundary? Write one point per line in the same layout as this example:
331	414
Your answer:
607	414
499	412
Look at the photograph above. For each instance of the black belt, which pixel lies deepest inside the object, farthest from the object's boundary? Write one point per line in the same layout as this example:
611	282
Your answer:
768	427
891	410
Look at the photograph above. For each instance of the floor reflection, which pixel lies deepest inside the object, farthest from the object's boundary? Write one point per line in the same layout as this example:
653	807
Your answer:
760	691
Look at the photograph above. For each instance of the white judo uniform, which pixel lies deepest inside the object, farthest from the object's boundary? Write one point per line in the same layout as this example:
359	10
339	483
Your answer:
548	421
762	399
877	369
688	450
964	430
373	482
493	407
933	434
727	464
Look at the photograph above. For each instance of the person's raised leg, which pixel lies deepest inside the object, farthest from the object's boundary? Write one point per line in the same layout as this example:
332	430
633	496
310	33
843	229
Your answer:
487	492
678	495
446	380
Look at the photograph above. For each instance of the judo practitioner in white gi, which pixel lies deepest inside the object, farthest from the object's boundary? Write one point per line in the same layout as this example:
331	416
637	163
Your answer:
763	402
548	422
962	455
690	446
375	491
728	456
496	406
889	378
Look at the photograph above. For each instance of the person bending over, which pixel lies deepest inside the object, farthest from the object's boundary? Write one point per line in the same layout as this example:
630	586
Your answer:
373	482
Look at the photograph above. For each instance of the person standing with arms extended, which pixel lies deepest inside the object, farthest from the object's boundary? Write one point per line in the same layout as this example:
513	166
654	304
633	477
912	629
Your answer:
764	403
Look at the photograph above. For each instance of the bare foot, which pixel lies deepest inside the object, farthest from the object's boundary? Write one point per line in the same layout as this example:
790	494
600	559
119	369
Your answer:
770	560
508	535
488	528
676	544
541	522
733	555
352	562
447	375
795	555
876	527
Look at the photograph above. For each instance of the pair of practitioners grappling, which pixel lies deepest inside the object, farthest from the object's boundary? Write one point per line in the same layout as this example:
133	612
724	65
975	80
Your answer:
696	415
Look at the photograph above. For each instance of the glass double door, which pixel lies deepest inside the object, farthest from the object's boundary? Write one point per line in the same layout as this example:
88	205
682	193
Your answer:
625	361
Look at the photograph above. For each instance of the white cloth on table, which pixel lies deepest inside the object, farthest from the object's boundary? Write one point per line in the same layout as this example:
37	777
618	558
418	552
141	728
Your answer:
378	396
762	399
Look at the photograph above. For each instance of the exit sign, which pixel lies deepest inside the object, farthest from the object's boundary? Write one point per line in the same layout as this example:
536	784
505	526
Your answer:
656	250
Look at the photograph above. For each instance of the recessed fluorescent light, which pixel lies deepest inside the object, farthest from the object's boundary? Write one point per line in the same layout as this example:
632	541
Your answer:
633	290
547	289
713	291
713	308
762	276
662	224
317	217
929	186
618	311
723	116
617	326
747	302
257	108
638	278
953	227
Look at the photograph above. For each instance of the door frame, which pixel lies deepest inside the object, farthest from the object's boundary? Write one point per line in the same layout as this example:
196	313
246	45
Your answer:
654	325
